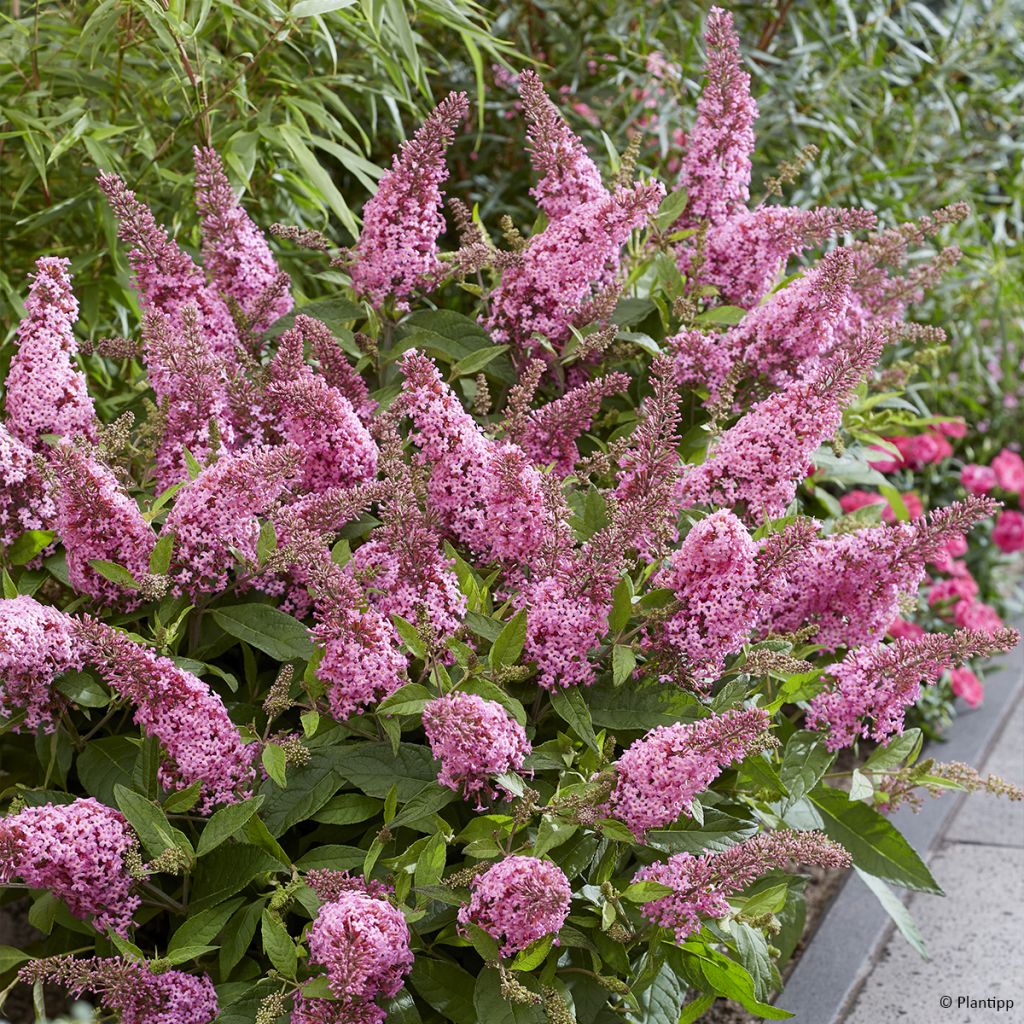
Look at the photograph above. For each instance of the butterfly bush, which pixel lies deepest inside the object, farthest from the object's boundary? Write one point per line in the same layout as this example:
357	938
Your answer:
469	641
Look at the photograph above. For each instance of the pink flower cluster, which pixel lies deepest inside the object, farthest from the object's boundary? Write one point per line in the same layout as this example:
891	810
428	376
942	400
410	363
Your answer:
397	249
235	253
854	500
873	686
702	884
36	647
201	742
660	774
474	739
915	452
217	512
77	851
363	944
1007	474
131	989
519	900
487	494
96	519
715	578
25	500
45	392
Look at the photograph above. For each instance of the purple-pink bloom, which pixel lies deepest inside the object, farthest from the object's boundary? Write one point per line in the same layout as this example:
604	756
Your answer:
1008	533
36	647
217	512
78	852
130	988
519	900
658	776
45	392
25	499
98	519
201	742
474	739
397	250
568	177
871	688
235	253
701	884
1008	467
334	365
363	944
165	276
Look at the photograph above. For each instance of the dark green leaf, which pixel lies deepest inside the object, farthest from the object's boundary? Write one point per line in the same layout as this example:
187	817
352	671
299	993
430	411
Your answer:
227	822
267	629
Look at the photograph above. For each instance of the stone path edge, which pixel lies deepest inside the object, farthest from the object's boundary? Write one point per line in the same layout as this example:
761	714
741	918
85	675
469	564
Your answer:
855	929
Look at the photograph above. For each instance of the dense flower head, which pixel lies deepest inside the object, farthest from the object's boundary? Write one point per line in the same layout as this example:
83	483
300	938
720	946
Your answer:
701	884
363	944
200	741
758	462
485	493
45	392
25	499
474	739
131	989
978	479
77	851
850	584
191	384
1008	533
329	885
97	519
337	450
397	250
658	776
334	365
164	275
716	165
361	662
519	900
568	177
745	253
36	646
235	253
976	615
715	579
872	686
557	276
218	511
1008	467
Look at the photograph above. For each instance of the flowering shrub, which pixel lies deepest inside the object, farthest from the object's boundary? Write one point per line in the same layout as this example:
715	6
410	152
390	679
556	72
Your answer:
380	660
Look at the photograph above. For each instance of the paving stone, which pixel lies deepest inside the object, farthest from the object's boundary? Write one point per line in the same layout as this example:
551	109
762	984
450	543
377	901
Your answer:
975	938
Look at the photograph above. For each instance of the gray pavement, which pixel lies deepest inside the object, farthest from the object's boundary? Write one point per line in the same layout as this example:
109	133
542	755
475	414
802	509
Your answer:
975	935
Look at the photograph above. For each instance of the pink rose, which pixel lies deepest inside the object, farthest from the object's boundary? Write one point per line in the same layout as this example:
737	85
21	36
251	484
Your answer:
977	615
859	499
978	479
952	428
967	686
1008	533
962	588
901	629
1009	471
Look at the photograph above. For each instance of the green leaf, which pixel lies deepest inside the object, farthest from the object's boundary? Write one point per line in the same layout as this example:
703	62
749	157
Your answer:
410	699
622	605
309	788
718	833
708	969
671	209
238	935
115	573
662	1000
268	629
727	315
623	663
897	910
28	545
431	861
752	950
509	644
428	801
274	761
203	927
410	636
533	956
105	763
83	689
694	1011
476	361
645	892
348	809
640	706
446	987
311	8
150	824
10	592
226	871
804	762
11	958
900	750
226	822
185	953
766	901
266	543
184	800
373	768
160	558
872	841
334	313
570	706
278	945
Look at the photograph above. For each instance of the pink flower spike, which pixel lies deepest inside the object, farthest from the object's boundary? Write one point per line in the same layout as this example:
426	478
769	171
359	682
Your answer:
25	499
235	253
397	250
45	392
